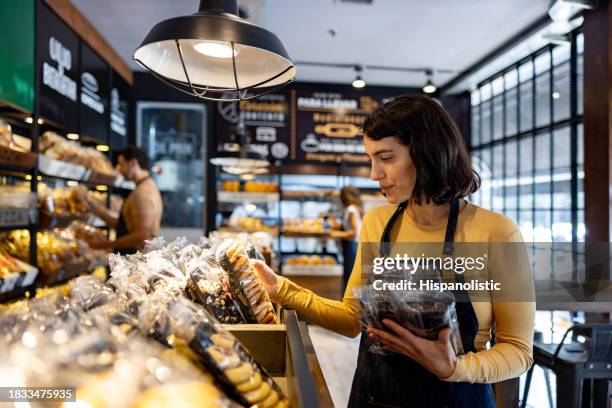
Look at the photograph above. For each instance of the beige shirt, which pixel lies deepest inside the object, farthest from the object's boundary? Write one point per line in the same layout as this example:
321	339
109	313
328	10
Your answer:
143	208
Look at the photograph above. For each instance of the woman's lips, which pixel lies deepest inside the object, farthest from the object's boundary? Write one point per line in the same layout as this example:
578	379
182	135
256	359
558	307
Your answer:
385	190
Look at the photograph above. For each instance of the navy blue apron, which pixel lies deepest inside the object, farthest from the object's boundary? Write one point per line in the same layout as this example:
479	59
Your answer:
122	228
394	380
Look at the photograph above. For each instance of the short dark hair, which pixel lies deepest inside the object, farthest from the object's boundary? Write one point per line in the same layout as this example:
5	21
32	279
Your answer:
443	166
133	152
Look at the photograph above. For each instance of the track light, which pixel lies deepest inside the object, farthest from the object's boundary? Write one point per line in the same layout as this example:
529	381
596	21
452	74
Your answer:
429	86
358	82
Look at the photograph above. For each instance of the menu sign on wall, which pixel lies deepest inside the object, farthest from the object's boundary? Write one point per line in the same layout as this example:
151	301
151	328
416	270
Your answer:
94	93
118	112
328	124
58	58
267	122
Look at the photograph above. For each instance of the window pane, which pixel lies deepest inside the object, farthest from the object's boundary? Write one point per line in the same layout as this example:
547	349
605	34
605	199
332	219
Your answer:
542	148
542	62
561	148
498	117
484	167
526	193
498	177
525	223
543	193
475	139
498	85
561	53
562	226
512	214
526	154
561	91
562	198
486	122
526	106
511	118
580	43
542	227
581	228
580	203
543	99
510	185
498	161
580	84
580	144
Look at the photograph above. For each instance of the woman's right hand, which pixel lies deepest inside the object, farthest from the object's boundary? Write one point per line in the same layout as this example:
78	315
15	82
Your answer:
267	276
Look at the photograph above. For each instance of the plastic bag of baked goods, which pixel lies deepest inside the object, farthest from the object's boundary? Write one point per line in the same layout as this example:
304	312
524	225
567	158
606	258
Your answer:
424	313
207	285
244	282
224	357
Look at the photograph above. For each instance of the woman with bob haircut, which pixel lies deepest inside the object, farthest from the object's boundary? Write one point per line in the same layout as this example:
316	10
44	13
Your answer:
422	165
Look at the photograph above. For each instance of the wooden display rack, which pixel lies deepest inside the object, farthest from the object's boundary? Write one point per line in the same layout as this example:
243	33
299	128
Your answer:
286	352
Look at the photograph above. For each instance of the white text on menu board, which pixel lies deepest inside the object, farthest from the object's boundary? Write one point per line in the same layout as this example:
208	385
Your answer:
55	78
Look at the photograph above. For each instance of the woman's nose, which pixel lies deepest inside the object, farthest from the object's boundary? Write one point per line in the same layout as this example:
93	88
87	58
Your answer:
376	173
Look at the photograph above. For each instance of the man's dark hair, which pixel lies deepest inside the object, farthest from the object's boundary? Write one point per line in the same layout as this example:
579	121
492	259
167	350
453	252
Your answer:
133	152
443	166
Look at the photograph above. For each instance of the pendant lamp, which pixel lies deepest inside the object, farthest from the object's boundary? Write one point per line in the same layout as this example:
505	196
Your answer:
214	54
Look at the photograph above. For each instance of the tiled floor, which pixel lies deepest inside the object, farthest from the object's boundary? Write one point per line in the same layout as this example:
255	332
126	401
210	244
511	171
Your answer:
338	358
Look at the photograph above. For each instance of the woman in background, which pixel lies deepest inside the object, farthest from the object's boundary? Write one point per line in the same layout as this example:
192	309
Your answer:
351	226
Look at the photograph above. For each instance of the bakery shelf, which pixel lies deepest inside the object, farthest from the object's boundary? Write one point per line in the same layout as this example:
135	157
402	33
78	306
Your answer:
16	285
58	168
17	160
240	197
299	234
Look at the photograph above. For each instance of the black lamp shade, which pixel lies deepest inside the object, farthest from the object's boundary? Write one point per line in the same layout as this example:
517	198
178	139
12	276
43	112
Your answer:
216	55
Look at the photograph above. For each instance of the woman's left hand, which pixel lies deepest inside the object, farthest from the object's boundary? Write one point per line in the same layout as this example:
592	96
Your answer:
437	356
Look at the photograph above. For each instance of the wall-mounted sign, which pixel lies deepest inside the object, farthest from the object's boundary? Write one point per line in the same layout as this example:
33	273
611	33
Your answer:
17	53
267	122
58	57
328	123
94	94
118	112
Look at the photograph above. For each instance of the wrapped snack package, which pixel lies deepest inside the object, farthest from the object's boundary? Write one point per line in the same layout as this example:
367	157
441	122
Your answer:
241	377
244	282
207	285
424	313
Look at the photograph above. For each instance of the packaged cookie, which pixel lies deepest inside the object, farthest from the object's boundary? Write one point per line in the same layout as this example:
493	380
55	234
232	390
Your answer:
245	284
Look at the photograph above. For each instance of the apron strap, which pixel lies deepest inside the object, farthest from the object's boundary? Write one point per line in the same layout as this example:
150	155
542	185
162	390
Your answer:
449	239
385	239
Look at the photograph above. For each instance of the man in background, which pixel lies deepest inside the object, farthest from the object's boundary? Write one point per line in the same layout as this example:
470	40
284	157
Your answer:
141	213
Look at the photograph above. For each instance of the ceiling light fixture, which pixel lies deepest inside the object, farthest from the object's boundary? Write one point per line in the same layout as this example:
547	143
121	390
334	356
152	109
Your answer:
358	82
214	54
429	86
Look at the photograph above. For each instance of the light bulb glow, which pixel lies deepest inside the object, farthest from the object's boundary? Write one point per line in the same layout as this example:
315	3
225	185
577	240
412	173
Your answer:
429	88
359	83
29	120
102	148
215	49
73	136
556	95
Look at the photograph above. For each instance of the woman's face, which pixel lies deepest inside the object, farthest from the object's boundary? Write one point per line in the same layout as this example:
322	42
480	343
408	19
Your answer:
392	167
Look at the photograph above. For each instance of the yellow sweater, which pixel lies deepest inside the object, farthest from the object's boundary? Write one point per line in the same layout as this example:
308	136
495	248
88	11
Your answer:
512	322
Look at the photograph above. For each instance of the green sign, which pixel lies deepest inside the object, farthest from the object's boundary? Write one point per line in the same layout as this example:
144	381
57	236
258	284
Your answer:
17	33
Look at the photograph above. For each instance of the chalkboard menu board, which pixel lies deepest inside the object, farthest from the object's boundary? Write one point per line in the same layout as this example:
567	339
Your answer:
267	122
58	58
306	123
94	94
118	112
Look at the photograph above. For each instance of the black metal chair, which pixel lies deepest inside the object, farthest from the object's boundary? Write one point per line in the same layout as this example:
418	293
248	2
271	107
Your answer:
576	362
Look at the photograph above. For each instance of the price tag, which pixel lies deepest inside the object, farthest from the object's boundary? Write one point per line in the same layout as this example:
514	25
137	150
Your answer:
29	278
9	282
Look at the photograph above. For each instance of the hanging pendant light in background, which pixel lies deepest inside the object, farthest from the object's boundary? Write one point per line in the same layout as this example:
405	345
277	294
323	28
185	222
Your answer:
429	86
358	82
214	54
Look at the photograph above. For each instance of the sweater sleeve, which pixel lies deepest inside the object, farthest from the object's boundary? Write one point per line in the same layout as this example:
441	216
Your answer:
514	319
339	316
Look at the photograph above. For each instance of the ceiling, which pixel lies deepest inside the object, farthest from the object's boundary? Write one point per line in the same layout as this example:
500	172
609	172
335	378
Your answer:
440	34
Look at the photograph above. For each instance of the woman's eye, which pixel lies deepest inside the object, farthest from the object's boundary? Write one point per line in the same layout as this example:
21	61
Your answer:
385	158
